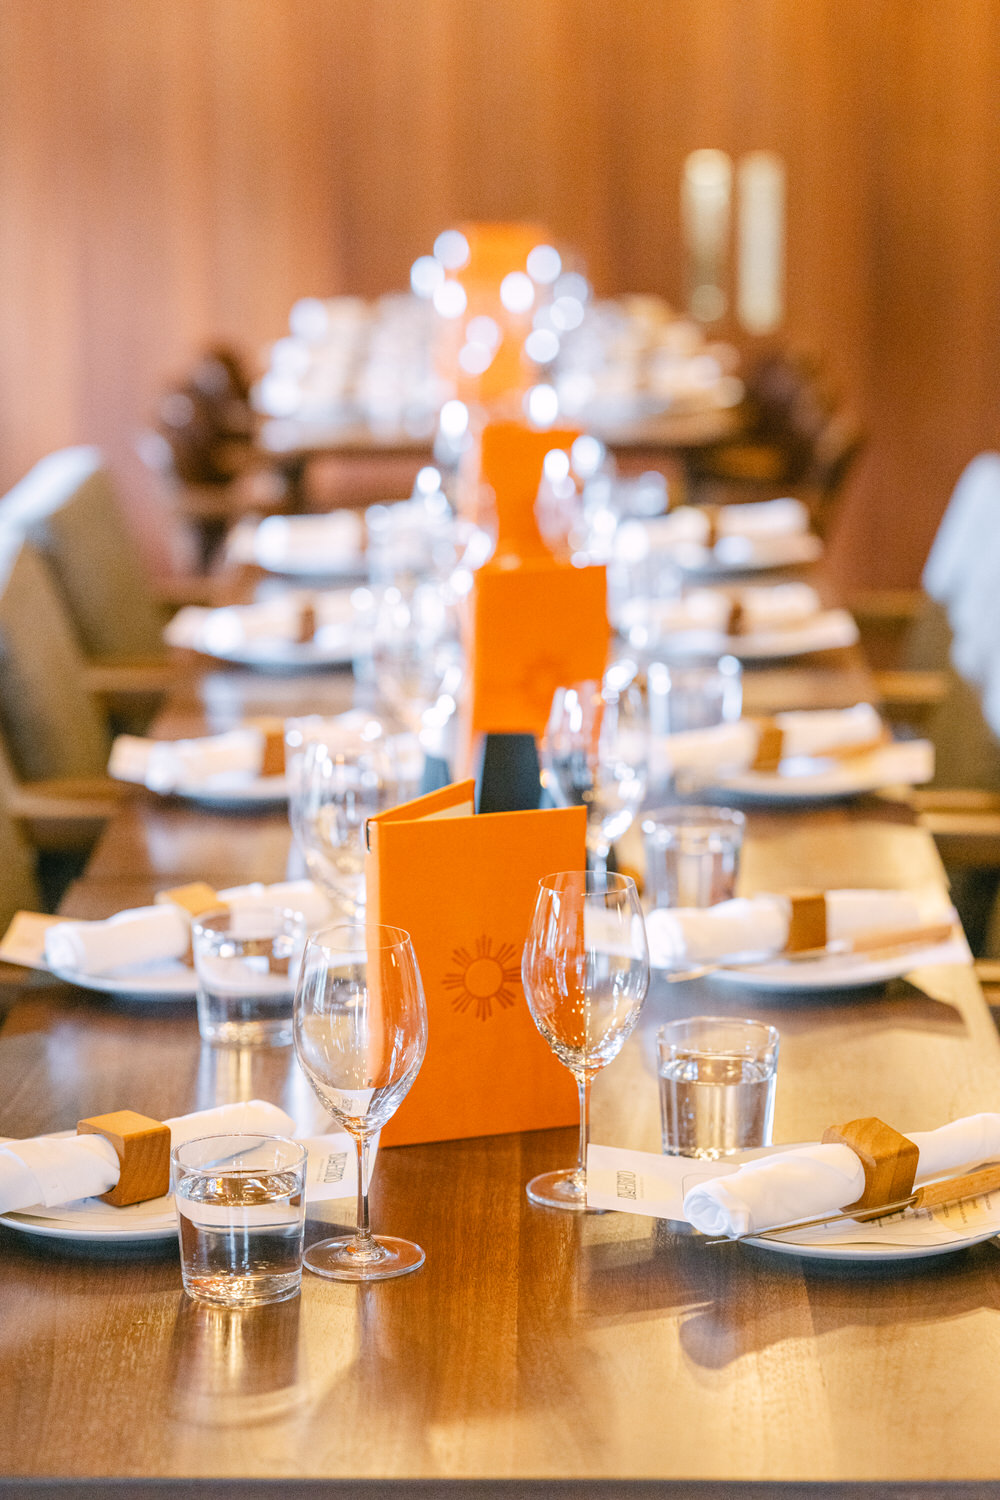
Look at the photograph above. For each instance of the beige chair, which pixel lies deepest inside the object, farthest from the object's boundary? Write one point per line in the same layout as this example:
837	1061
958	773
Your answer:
55	738
67	508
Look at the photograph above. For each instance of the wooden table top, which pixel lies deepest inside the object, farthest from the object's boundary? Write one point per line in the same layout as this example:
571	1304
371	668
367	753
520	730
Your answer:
533	1344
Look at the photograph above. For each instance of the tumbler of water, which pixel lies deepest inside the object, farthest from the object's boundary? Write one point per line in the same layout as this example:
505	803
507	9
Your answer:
240	1203
692	854
717	1080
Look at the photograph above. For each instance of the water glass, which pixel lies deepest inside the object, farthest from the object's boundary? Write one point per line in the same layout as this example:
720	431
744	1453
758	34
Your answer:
247	963
240	1217
685	696
692	854
717	1079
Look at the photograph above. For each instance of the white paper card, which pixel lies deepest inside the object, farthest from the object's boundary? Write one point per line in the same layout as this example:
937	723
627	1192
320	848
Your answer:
24	941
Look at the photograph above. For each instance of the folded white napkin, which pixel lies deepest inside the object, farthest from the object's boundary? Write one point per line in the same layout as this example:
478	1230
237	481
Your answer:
272	620
165	765
759	924
47	1171
805	732
297	895
141	935
309	543
160	933
758	520
779	606
815	1180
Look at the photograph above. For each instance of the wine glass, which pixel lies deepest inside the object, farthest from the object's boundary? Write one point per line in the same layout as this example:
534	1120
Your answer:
594	753
360	1032
339	782
585	972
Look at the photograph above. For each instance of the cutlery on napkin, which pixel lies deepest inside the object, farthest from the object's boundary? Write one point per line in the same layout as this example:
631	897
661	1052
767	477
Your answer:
872	945
50	1170
727	613
761	926
812	1181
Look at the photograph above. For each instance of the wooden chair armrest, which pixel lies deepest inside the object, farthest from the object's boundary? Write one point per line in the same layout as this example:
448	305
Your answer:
125	678
887	606
965	837
209	590
954	799
65	813
909	690
988	973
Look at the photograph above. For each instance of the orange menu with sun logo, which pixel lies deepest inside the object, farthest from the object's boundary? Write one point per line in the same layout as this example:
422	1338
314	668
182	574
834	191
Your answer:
464	886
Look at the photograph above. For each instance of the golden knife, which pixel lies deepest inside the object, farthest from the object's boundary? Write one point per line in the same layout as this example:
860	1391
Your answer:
931	1195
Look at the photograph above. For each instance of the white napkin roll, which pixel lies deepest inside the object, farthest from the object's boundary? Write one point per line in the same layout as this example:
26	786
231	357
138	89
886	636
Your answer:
777	607
806	732
759	924
815	1180
304	542
196	762
296	895
758	520
48	1171
144	934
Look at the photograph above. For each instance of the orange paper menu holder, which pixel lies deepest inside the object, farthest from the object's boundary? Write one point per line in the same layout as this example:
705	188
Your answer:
464	887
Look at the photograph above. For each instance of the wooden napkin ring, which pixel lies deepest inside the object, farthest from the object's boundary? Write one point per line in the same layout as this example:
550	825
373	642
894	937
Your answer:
737	622
806	921
889	1159
196	898
143	1149
770	745
273	759
713	515
306	625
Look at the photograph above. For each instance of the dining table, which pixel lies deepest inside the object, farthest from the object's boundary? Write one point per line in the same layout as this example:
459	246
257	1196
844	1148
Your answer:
537	1352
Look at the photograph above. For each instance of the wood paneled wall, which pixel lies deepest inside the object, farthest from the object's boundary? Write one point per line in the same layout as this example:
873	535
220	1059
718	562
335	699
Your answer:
177	170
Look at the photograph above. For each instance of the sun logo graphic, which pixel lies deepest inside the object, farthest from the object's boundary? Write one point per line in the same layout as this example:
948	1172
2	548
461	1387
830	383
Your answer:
483	977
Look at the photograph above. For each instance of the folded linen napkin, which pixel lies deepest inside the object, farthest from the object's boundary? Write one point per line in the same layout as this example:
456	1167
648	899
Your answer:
726	612
48	1170
758	520
162	932
804	732
141	935
761	924
814	1180
165	765
290	618
309	543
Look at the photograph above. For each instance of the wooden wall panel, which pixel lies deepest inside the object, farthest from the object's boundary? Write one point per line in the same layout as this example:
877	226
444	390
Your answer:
177	170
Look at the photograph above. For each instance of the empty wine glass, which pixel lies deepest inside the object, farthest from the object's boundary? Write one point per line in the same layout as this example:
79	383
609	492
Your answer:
339	781
585	972
360	1031
594	753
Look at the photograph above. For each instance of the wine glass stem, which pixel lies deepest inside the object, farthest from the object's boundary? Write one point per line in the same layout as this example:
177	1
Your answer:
583	1088
363	1234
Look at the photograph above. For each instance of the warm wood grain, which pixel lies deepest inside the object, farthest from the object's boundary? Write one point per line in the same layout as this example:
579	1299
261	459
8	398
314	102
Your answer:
532	1343
176	172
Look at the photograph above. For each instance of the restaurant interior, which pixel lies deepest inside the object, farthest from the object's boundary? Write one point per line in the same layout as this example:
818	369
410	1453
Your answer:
499	748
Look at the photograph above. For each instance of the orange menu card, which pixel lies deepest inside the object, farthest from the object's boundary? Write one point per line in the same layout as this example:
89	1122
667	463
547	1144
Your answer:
464	888
532	628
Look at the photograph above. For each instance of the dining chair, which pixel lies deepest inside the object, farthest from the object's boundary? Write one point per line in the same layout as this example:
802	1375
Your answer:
54	738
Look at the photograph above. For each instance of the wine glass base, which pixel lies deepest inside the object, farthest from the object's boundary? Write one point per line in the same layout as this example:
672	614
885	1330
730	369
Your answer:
340	1260
559	1190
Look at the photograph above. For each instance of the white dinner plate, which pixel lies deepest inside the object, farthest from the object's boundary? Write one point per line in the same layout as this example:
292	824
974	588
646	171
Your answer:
826	631
740	555
805	779
847	971
138	1229
235	792
168	981
284	656
872	1252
